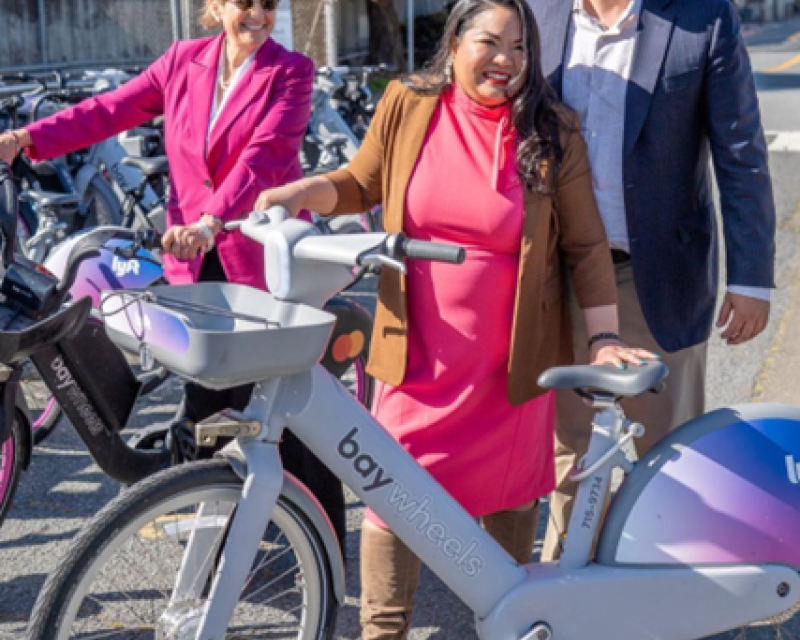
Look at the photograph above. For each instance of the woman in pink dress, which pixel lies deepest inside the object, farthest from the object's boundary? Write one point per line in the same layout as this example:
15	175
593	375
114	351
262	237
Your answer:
474	152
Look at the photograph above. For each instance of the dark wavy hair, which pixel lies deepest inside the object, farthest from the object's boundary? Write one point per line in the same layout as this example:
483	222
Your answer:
534	112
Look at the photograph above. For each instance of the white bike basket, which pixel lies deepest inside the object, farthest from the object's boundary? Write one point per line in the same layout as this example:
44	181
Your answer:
219	334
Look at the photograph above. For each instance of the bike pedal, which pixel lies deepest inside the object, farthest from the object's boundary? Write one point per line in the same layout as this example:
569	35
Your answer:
225	424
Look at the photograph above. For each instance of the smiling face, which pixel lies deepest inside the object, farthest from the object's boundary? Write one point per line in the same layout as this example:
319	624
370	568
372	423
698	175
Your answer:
245	29
489	56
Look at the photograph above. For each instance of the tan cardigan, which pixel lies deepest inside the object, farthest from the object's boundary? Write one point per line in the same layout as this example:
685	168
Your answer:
567	226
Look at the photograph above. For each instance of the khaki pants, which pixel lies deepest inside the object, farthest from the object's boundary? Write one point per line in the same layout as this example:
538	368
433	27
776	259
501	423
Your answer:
683	399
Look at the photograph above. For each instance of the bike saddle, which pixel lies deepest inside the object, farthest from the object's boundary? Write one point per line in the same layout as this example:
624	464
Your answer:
23	338
621	383
148	166
50	198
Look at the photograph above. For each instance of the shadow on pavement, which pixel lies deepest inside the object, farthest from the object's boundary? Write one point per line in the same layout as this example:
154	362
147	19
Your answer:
39	539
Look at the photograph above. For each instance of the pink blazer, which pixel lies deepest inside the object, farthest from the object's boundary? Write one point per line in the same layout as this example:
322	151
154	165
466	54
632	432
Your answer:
254	144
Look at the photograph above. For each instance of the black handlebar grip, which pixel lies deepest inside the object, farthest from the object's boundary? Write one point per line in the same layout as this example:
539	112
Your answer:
152	240
434	251
8	213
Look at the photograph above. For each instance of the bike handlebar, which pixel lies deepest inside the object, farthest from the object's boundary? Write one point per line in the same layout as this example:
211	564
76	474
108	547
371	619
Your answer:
58	96
358	250
89	246
433	251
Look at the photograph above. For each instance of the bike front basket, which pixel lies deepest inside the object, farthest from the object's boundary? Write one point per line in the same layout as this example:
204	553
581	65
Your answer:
218	334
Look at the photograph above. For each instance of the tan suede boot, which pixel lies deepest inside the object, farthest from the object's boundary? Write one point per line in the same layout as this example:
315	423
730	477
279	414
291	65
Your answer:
515	531
389	577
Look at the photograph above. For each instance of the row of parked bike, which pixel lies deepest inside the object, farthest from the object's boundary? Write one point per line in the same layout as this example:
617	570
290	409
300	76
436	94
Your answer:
122	184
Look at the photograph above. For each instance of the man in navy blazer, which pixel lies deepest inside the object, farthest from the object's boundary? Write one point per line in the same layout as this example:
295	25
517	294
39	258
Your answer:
664	89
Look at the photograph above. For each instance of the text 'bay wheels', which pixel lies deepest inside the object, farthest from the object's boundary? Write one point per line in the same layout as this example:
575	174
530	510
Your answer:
120	573
13	453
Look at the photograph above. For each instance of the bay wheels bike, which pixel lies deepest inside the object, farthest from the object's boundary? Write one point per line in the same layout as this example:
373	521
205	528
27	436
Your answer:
699	540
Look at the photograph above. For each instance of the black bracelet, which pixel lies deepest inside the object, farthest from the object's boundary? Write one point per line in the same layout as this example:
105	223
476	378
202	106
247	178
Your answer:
603	336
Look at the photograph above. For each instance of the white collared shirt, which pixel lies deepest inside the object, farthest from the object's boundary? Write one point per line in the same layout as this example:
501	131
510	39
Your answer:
597	71
216	105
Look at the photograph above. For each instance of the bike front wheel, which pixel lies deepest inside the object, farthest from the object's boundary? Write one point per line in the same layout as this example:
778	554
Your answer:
118	576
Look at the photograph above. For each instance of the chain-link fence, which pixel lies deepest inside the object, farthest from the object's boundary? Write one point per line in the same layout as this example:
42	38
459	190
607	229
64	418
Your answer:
46	34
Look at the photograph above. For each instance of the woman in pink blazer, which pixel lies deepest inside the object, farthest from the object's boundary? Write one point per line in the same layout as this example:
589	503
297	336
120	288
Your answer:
220	159
236	107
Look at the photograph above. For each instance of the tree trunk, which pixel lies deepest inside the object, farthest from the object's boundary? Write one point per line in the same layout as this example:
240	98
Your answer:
385	39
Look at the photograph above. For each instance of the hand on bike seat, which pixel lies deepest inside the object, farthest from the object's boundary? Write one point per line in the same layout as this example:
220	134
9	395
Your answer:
621	383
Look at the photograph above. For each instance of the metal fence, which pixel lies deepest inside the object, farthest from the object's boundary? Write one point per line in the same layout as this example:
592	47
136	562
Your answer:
46	34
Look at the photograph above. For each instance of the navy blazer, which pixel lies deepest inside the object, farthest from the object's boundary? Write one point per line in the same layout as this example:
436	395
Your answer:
690	99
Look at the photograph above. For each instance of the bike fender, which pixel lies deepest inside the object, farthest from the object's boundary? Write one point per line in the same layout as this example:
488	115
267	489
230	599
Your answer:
20	412
27	434
84	176
351	337
724	488
298	494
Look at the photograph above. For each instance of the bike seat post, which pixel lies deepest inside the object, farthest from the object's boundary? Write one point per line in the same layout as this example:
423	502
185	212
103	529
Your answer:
608	427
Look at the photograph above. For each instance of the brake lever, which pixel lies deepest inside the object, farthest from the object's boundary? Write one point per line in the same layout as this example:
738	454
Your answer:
379	260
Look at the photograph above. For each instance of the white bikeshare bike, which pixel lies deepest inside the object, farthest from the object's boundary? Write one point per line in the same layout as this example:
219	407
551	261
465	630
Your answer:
701	538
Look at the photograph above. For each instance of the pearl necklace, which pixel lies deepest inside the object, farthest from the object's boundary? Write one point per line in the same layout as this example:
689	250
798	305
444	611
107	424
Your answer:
227	85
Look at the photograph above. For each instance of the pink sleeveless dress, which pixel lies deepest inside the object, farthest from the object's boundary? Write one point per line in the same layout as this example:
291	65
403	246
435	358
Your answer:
451	411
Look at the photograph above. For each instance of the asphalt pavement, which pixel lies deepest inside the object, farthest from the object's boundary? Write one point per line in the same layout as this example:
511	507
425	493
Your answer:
64	487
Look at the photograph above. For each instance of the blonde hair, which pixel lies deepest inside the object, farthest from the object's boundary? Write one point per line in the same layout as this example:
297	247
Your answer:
207	19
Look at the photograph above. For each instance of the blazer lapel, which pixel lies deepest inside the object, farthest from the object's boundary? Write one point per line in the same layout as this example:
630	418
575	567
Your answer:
409	142
250	87
655	29
202	83
553	21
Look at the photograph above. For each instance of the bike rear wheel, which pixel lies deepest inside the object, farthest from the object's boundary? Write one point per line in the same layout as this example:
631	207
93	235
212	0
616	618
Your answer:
13	453
104	206
119	572
358	381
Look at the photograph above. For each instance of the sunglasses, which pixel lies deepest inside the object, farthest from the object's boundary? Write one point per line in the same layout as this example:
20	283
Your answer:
247	5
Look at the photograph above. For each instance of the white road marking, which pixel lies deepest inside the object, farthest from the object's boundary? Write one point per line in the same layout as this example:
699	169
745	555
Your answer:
784	141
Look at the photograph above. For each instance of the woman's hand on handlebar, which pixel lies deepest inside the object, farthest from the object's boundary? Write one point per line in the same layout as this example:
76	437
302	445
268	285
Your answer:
291	198
11	143
185	243
316	193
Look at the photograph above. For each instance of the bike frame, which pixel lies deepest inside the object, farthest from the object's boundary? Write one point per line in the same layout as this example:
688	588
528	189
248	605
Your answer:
510	601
